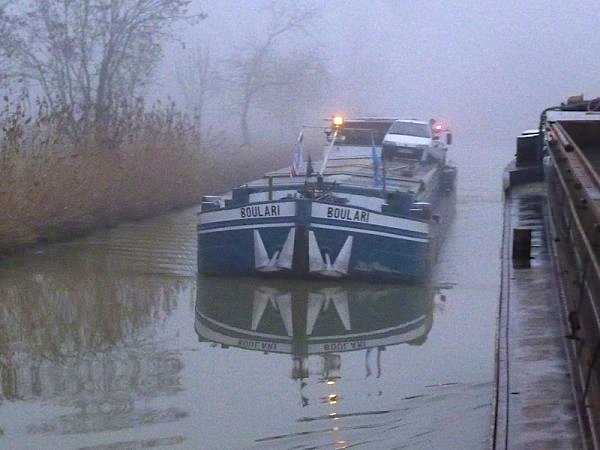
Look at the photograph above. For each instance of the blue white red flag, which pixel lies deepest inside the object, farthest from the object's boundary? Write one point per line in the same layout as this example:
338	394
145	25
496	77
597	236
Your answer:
377	168
298	160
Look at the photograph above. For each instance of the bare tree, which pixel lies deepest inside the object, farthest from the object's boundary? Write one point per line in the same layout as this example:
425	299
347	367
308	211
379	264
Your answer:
250	68
303	81
87	56
198	77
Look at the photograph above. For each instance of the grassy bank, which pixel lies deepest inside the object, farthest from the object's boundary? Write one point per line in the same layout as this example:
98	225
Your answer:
51	190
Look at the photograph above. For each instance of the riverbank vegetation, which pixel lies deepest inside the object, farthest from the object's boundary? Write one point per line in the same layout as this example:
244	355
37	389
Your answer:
52	188
148	161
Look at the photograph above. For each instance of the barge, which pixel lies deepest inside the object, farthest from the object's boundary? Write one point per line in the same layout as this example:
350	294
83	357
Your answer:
548	348
373	207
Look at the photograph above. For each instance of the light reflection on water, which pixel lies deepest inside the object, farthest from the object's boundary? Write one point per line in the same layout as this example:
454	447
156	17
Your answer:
342	342
99	347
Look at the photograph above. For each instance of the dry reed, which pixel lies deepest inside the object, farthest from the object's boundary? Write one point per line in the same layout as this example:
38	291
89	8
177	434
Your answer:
53	187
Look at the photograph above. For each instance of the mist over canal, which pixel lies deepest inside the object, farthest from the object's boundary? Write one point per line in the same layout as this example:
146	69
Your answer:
98	347
113	342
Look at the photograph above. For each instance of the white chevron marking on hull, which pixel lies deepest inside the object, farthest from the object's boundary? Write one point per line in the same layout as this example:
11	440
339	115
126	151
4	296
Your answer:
281	259
323	265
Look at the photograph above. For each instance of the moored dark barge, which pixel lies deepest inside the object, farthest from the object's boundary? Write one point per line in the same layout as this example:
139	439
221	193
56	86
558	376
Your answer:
548	350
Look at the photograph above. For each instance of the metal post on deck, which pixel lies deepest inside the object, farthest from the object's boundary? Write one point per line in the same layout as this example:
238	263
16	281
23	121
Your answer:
521	248
270	188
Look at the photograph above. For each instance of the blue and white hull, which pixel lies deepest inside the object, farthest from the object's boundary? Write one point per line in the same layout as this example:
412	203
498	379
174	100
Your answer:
308	238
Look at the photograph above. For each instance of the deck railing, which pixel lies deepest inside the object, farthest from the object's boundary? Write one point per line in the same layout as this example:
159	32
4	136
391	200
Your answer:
575	208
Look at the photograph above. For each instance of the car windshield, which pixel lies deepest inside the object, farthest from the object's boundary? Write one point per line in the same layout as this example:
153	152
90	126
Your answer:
362	132
410	129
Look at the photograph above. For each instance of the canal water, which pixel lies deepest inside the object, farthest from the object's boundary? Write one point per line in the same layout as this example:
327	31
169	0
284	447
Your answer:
113	342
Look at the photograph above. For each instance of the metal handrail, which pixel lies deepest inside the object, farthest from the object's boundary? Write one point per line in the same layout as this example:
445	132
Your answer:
570	143
574	214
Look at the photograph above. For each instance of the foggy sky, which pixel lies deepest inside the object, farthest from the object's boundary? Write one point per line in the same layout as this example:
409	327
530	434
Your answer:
486	68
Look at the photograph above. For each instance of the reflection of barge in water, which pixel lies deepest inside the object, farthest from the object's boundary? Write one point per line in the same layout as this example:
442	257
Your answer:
304	319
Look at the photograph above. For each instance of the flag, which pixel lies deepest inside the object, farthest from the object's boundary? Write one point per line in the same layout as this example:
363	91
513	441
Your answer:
377	169
298	160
